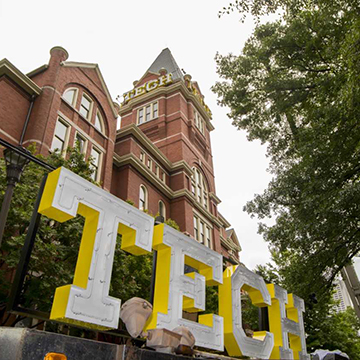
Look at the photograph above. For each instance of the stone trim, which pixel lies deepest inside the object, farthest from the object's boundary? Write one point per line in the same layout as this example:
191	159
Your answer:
177	85
224	222
153	150
230	245
13	73
98	72
213	196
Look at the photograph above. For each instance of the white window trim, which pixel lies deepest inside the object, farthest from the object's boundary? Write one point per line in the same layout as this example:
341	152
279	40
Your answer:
75	96
204	189
102	124
206	224
151	103
98	175
149	163
85	138
84	94
67	136
146	197
142	157
164	207
199	122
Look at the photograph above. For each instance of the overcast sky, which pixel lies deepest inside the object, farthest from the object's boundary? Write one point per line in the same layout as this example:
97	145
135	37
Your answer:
124	38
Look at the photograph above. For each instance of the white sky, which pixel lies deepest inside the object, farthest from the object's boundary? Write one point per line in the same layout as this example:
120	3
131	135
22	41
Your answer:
124	38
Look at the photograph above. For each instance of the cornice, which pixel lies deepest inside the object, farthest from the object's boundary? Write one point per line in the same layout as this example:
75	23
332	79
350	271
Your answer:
37	71
134	131
229	244
224	221
177	85
99	74
131	159
8	69
213	196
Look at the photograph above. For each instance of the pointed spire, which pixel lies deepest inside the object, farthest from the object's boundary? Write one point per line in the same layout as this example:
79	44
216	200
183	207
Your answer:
166	60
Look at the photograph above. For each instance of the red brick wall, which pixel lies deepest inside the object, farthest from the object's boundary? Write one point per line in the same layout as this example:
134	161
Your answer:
14	105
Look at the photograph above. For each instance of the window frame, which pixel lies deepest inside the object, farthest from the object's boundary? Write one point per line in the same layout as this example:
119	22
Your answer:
98	168
201	231
199	187
164	209
199	122
142	110
145	207
77	133
88	97
73	104
66	138
101	120
142	157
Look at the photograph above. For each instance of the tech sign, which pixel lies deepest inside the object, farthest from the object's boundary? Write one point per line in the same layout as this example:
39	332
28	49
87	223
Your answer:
87	301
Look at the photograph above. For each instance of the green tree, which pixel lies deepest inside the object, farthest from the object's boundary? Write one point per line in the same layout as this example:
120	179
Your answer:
295	87
54	256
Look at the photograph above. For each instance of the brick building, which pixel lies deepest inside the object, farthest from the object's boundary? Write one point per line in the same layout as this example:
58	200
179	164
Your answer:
160	158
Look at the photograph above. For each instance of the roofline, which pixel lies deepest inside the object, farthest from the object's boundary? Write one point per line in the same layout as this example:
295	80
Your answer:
38	70
11	71
97	69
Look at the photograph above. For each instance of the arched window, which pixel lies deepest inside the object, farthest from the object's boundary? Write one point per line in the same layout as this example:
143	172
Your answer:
99	123
70	96
162	209
199	188
143	198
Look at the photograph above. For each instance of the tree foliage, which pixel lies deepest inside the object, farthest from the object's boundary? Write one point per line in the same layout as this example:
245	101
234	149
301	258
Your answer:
55	252
295	87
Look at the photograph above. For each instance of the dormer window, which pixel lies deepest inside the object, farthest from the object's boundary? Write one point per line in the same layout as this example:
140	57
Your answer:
70	96
85	106
147	113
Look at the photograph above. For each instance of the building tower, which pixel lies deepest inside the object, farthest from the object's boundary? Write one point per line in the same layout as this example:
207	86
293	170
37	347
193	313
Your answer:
163	160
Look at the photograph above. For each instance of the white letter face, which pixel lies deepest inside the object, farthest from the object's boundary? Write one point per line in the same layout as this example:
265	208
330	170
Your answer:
176	291
248	346
295	329
88	300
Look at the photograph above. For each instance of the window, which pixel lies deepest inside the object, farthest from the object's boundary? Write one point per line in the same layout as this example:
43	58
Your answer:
95	163
208	237
149	163
80	141
163	177
140	116
199	187
85	106
60	137
99	123
156	170
70	96
199	122
147	113
162	209
196	231
142	157
202	232
143	198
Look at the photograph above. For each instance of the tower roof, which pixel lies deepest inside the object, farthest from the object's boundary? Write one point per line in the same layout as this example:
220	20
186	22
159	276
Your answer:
167	61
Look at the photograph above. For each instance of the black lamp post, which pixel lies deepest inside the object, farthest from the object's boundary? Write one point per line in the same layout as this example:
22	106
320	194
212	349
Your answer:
15	163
